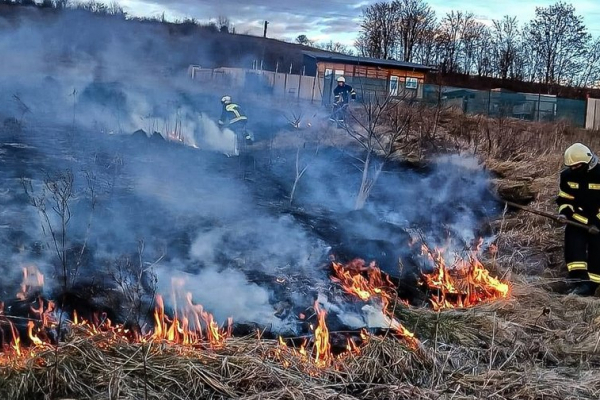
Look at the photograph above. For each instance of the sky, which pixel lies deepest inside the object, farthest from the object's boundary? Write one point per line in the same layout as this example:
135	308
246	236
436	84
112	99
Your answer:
333	20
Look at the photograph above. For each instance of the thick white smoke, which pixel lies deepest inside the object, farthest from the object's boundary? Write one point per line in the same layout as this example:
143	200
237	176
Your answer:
215	138
225	293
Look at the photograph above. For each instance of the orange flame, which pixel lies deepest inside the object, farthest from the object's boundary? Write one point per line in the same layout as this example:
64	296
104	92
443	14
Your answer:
190	325
32	280
464	284
352	280
322	346
376	285
321	355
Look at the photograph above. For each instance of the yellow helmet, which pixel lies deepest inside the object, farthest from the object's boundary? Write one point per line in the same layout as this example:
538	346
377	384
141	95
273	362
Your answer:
579	154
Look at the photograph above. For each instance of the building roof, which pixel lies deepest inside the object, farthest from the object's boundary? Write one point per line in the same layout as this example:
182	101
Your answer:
355	60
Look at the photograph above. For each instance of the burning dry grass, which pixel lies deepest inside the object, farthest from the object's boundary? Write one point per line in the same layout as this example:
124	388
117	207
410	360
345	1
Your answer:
533	345
100	367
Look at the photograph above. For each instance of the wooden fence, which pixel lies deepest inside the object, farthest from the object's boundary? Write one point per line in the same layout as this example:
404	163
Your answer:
289	86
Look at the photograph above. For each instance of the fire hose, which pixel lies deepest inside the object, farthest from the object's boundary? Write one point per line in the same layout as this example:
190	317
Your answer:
591	229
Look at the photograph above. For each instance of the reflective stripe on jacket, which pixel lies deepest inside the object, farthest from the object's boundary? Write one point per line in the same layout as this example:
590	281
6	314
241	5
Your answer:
232	113
579	195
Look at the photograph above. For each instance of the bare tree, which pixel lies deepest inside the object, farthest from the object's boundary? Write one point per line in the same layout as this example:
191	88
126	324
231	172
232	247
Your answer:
115	9
304	40
137	280
482	57
472	37
335	47
591	67
425	50
379	34
451	31
223	24
60	3
506	37
53	203
23	108
301	169
415	17
560	41
380	124
553	48
529	65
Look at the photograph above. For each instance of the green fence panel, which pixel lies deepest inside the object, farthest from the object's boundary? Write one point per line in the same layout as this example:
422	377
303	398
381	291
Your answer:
526	106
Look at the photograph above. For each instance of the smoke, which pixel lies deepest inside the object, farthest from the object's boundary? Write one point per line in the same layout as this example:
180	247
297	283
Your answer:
226	293
213	138
275	246
76	96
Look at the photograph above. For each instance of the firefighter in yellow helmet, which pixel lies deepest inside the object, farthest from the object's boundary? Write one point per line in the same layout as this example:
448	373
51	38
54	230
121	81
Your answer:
579	200
234	118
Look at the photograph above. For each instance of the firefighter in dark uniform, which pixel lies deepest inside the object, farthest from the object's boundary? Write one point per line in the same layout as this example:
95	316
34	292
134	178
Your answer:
233	118
341	97
579	200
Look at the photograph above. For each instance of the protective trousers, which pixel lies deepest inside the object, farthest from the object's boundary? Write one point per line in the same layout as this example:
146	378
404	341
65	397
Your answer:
241	147
582	254
239	128
339	111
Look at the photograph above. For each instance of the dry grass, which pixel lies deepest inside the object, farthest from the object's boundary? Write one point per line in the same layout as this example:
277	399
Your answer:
102	366
534	345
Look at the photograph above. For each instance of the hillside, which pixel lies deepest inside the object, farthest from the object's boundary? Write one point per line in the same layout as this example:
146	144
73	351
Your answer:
173	46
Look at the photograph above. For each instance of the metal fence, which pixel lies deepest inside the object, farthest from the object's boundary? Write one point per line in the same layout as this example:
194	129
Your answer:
499	103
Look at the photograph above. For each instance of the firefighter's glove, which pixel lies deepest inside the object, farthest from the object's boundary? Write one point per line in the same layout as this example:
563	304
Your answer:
594	230
561	218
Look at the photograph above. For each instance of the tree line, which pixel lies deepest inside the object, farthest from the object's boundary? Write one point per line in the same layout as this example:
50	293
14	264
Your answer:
336	47
553	48
113	9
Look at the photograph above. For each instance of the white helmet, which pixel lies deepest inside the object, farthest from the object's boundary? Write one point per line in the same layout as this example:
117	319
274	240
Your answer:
578	153
341	79
226	99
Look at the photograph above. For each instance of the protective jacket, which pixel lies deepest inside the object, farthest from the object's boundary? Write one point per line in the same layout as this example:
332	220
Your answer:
579	195
343	94
579	200
231	114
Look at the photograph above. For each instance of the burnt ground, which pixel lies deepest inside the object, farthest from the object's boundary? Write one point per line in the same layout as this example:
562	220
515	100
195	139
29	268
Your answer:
195	210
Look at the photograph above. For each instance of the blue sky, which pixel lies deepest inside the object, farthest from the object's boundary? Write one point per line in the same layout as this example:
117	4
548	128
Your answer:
337	20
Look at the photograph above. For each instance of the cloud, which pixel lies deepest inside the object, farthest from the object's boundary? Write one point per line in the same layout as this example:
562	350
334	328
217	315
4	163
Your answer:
335	20
288	19
523	9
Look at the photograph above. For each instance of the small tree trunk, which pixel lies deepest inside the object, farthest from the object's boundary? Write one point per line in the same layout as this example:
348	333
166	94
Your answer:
367	182
363	192
299	174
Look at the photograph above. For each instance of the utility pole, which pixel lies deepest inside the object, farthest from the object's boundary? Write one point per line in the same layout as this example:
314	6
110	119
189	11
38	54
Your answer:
265	31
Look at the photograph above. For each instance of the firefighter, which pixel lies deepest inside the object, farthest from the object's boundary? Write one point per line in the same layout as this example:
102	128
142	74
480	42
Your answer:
233	118
342	95
579	200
